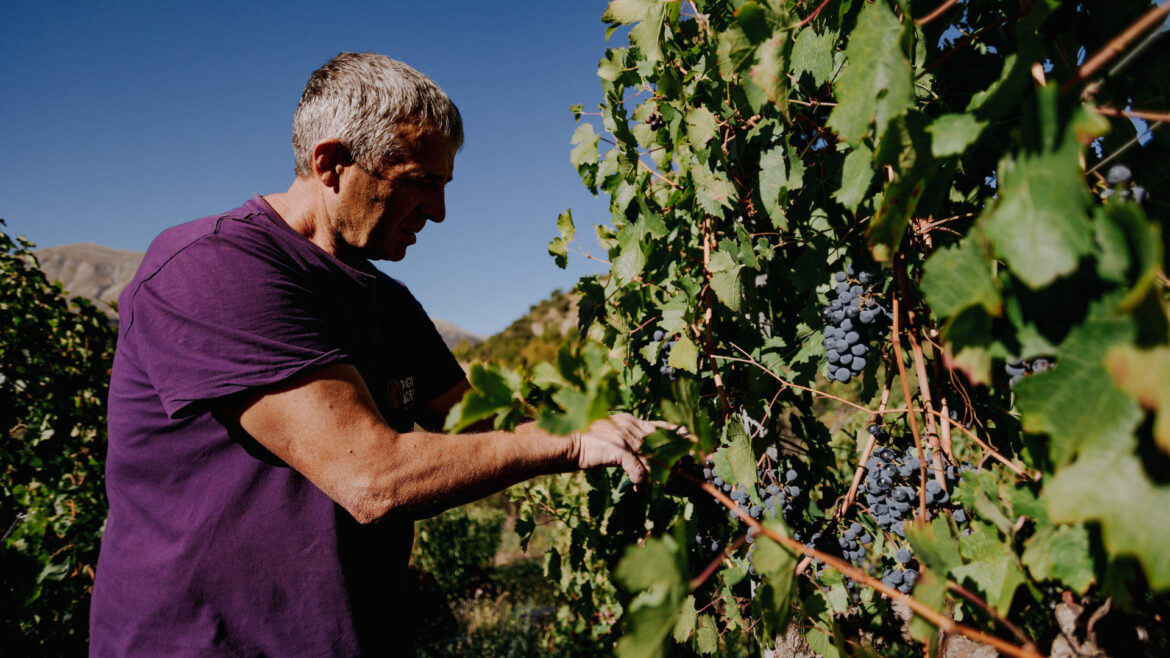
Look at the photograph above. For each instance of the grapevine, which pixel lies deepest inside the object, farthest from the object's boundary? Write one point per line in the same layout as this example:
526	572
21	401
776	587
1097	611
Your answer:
884	261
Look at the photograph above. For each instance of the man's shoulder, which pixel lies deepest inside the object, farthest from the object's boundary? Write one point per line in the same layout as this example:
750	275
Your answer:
244	224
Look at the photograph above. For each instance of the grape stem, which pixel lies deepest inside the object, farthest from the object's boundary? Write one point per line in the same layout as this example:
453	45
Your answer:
943	622
867	451
936	13
1115	47
709	315
808	19
896	339
1138	114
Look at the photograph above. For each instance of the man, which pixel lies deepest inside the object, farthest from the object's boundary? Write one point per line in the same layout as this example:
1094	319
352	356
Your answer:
263	472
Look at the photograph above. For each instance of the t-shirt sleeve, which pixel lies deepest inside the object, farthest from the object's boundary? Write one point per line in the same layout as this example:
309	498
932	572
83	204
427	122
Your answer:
437	368
217	320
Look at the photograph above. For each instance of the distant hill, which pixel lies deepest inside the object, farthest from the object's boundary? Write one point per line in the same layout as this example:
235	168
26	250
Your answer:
534	337
100	273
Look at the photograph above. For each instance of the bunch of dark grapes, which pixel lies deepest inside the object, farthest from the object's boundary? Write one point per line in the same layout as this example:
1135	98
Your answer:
891	482
1017	369
903	576
1120	179
664	355
655	121
777	492
853	319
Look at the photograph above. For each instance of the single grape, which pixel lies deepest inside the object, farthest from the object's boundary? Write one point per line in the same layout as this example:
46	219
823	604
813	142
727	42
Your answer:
1117	175
902	556
658	335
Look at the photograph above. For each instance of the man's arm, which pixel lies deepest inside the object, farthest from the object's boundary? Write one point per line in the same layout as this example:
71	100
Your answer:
326	426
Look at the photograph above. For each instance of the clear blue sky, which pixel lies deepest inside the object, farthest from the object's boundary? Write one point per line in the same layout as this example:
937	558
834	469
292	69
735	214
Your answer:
120	119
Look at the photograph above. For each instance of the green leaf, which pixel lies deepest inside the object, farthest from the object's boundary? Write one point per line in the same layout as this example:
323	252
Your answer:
778	566
714	191
1039	224
701	127
1145	376
812	53
959	277
953	133
585	146
773	182
771	68
559	247
899	199
631	258
734	460
855	177
931	591
725	279
651	570
876	84
707	635
1061	553
687	617
684	355
1077	403
1110	486
997	578
934	544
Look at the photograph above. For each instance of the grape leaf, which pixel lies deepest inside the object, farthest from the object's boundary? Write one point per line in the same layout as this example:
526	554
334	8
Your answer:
1145	375
769	71
725	279
855	177
1134	514
959	277
650	16
934	544
1062	553
652	571
876	83
701	127
1039	223
777	564
931	591
1076	403
559	247
714	191
953	133
684	355
773	181
707	635
997	578
812	53
687	617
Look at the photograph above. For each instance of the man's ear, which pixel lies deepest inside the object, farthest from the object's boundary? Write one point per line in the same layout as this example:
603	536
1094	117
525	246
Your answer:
330	157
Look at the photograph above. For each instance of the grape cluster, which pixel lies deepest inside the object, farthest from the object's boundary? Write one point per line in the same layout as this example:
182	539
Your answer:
1017	369
904	576
664	355
852	319
655	121
777	491
890	481
1120	178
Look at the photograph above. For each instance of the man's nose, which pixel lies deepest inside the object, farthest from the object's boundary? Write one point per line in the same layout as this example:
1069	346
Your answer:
435	207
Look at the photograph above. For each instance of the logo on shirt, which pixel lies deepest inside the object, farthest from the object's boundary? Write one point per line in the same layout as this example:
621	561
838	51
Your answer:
400	392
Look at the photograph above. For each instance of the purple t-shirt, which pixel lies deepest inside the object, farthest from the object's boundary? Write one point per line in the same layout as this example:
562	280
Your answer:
213	545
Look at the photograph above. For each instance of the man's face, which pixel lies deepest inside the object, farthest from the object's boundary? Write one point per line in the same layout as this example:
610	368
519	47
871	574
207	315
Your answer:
379	213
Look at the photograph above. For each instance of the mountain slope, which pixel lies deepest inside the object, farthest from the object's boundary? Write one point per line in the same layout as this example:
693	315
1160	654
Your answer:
100	273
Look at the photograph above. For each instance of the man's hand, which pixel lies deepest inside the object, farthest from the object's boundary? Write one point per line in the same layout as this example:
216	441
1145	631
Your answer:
615	441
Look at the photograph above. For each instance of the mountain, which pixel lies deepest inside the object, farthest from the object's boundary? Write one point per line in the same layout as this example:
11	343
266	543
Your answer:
536	336
100	273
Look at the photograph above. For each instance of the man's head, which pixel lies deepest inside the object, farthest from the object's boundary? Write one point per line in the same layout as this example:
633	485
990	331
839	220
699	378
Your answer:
363	100
375	144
